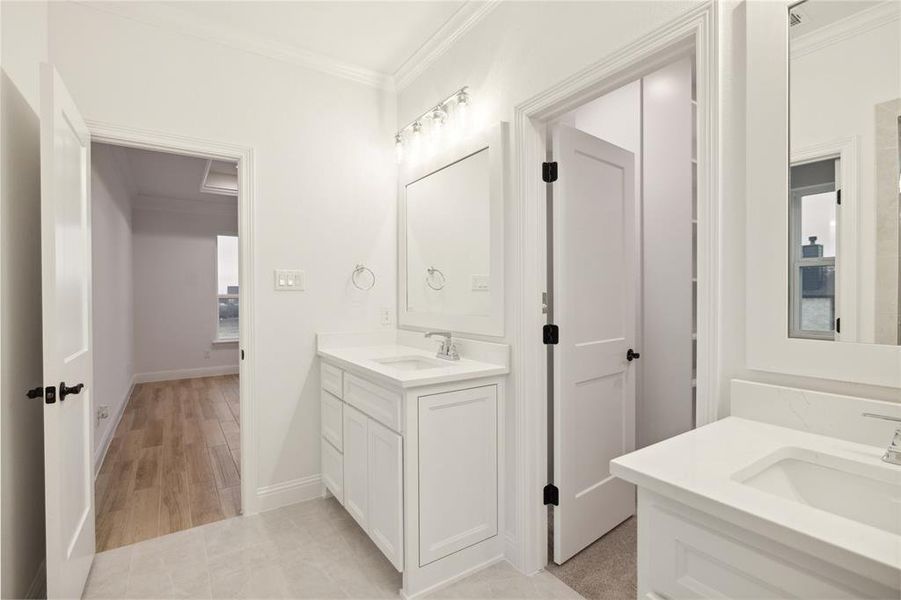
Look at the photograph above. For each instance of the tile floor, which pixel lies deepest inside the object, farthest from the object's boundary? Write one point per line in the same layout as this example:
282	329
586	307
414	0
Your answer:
308	550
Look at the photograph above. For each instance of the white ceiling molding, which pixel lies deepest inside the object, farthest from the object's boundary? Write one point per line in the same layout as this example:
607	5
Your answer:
186	206
171	18
463	20
214	182
860	22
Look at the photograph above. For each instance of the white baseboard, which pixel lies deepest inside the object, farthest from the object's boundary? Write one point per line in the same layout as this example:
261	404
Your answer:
185	373
103	448
38	587
290	492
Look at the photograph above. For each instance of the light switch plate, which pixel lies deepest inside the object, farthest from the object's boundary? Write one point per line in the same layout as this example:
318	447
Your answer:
289	280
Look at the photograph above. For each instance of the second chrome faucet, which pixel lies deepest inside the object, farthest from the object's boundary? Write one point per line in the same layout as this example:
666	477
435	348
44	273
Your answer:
448	350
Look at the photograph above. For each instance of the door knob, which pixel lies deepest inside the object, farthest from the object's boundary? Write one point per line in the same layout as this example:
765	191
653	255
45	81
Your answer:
632	355
65	390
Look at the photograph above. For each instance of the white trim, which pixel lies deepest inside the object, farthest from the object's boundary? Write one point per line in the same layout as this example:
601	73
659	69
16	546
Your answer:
176	374
100	452
211	188
467	17
270	497
186	23
173	143
858	23
696	28
218	341
38	587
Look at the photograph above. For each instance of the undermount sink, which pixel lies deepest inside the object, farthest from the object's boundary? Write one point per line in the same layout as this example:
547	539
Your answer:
411	363
868	494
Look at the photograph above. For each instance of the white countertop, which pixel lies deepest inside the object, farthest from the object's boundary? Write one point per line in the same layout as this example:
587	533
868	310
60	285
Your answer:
362	360
697	469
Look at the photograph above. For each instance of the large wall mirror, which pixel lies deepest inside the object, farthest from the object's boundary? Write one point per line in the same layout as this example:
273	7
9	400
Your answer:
843	206
451	269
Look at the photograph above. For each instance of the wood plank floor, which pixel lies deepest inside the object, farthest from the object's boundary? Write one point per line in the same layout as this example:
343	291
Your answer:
173	463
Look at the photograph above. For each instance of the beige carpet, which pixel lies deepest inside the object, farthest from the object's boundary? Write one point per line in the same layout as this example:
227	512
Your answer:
604	570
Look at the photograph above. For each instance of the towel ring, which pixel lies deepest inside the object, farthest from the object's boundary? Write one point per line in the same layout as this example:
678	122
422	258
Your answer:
361	269
428	279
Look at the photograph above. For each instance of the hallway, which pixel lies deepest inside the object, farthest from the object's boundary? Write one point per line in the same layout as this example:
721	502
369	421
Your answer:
173	462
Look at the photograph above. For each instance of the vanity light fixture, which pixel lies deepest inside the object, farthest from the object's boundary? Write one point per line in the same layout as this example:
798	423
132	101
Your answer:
452	111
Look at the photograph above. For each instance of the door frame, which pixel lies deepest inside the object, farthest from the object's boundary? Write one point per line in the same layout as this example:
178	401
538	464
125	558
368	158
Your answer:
694	31
130	137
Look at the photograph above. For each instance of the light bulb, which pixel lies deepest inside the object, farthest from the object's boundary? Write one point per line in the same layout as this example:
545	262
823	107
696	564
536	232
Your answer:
461	112
416	144
399	148
439	116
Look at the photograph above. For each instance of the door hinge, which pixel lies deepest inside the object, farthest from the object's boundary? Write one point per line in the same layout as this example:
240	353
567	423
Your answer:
242	353
838	325
37	392
551	495
838	196
550	334
549	172
50	394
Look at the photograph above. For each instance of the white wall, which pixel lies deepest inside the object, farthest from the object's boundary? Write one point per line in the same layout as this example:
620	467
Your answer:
111	217
24	45
833	97
175	286
324	194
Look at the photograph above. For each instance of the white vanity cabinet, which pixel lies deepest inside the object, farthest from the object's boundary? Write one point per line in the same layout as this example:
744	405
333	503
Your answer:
416	463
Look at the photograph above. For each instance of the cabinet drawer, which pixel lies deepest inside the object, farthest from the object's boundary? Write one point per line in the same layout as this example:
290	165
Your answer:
333	470
331	378
332	420
382	405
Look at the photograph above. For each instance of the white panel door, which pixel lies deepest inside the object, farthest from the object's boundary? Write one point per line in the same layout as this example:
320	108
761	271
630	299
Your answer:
356	442
457	471
68	356
386	487
594	304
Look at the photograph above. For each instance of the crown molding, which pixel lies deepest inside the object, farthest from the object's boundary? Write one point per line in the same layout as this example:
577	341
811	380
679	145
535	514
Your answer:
467	17
859	23
174	19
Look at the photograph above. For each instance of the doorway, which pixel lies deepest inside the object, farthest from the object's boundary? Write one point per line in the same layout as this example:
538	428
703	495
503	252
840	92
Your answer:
166	337
622	264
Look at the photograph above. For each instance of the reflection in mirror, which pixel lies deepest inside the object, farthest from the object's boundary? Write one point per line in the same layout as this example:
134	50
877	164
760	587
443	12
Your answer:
845	172
449	239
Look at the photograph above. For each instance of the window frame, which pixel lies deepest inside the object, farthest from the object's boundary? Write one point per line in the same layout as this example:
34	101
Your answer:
797	262
218	339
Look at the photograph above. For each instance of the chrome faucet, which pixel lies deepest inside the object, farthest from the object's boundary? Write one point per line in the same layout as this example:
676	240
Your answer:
893	452
448	350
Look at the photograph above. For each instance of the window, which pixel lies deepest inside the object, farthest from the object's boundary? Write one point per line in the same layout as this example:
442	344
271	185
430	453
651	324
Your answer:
813	225
227	282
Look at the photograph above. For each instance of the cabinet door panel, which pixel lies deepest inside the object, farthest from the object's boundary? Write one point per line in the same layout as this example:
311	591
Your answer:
332	419
333	470
355	465
386	492
457	471
332	379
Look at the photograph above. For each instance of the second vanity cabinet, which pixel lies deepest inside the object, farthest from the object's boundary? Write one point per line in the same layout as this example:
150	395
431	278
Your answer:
417	467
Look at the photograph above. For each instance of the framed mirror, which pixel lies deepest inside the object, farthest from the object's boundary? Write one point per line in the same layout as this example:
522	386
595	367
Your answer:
451	238
844	115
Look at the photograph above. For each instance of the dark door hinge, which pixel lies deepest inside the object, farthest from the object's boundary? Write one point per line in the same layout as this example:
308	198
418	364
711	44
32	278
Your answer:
50	394
550	334
838	325
551	495
632	355
37	392
242	354
838	196
549	172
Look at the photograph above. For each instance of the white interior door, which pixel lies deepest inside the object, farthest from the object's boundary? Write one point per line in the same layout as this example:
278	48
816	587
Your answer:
68	356
594	304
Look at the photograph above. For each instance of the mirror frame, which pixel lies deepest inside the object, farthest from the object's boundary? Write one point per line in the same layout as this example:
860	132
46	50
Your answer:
495	140
768	345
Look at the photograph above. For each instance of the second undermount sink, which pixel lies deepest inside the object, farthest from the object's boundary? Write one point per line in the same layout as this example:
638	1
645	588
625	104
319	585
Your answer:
411	363
868	494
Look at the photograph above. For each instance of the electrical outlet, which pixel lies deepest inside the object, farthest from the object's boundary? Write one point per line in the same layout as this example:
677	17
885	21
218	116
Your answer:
386	316
289	280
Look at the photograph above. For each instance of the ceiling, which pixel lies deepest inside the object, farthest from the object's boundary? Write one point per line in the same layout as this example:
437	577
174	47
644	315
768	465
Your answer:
379	36
158	175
